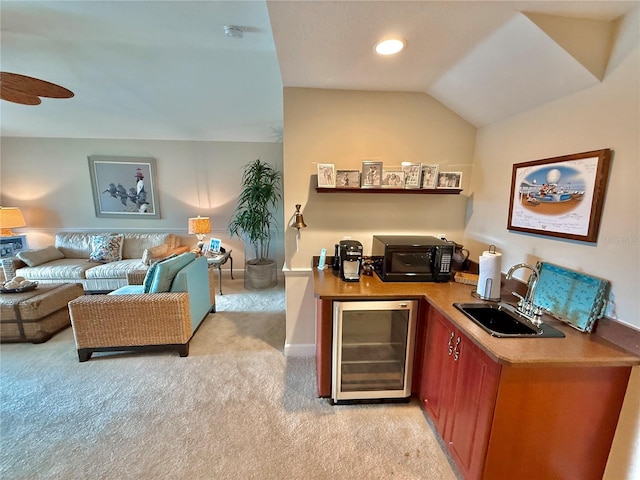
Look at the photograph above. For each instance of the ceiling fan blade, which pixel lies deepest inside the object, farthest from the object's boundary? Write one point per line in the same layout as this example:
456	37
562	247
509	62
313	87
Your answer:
14	96
32	86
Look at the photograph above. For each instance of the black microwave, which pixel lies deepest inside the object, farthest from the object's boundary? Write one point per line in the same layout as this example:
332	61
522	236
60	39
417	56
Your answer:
411	258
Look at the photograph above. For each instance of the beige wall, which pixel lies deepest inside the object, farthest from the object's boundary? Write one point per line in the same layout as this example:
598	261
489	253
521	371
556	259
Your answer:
345	128
49	180
604	116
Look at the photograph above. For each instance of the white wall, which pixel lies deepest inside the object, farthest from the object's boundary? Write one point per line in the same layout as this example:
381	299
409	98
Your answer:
49	180
345	128
604	116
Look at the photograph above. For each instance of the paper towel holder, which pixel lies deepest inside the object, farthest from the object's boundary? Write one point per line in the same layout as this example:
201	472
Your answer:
488	285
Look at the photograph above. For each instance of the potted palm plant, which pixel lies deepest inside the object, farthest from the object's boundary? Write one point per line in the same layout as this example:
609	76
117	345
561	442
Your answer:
253	221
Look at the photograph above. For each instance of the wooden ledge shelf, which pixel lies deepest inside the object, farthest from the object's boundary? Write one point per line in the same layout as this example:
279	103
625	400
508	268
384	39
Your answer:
419	191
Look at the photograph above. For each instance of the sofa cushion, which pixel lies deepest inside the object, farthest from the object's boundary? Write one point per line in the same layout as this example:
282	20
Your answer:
33	258
156	252
106	248
136	243
148	278
151	272
63	270
128	290
166	271
75	244
118	269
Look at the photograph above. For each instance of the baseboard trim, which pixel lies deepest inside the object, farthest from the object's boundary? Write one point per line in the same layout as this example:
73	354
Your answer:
299	350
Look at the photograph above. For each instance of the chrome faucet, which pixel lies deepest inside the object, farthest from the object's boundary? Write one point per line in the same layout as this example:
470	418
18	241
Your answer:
526	307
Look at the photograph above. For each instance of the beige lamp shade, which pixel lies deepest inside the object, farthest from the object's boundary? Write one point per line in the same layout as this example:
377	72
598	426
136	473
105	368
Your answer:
199	225
10	217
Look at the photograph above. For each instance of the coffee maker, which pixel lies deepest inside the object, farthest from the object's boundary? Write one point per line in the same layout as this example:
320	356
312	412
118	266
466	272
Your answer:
350	260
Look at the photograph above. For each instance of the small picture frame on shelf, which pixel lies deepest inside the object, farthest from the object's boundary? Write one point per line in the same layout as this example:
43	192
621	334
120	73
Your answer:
429	176
326	175
371	174
214	246
347	179
412	174
450	180
393	178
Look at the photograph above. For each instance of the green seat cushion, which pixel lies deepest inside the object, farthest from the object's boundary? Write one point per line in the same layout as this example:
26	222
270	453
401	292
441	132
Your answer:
166	271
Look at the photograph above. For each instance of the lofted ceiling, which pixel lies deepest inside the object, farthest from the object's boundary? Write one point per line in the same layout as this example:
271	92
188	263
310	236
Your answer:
166	69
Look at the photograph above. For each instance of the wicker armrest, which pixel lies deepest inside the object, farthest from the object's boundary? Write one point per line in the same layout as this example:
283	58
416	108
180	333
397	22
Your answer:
130	320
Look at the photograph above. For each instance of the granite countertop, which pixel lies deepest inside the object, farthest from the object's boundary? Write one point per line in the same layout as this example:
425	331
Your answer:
576	349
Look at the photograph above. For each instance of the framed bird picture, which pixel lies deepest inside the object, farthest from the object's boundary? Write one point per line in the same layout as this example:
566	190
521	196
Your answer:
124	187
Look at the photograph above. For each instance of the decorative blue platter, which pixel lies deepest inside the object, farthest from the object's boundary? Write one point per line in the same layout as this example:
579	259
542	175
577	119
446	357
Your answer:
572	297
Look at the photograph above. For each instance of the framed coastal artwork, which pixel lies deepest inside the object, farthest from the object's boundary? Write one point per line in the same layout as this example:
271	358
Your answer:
326	175
124	187
560	196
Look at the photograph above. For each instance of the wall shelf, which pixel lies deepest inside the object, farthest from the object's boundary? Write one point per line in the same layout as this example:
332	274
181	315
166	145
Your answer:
419	191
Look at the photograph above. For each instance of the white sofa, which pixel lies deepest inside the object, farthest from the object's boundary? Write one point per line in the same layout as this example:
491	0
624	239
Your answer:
68	261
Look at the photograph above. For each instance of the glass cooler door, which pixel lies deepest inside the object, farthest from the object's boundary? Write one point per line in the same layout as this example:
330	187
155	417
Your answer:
373	345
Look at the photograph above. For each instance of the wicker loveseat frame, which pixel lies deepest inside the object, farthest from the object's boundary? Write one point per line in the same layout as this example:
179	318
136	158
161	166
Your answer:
145	321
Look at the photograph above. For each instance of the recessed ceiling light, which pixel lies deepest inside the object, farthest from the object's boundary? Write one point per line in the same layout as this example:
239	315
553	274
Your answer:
390	46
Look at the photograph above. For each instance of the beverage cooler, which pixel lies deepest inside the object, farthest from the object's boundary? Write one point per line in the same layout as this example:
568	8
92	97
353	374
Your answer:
372	351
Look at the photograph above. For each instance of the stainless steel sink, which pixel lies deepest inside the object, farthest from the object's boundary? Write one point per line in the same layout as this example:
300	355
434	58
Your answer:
502	320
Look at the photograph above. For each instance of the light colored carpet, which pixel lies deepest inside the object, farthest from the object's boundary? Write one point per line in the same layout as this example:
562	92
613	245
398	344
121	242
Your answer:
236	408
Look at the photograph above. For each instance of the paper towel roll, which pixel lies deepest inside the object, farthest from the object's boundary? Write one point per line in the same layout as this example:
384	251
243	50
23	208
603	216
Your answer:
490	263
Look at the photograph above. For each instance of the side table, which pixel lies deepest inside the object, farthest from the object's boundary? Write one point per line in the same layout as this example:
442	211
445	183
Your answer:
217	260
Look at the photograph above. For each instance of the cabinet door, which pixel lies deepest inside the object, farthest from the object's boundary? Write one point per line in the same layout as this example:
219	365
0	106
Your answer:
474	397
324	320
437	369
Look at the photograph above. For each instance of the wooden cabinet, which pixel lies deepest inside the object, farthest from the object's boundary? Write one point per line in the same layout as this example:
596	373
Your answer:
531	408
324	339
524	421
458	390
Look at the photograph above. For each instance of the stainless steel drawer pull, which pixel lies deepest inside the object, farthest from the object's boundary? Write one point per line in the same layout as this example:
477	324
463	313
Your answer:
451	343
456	355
